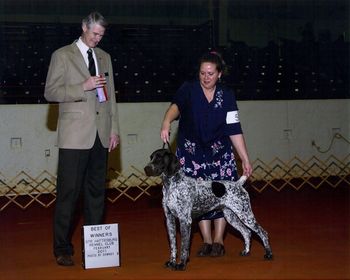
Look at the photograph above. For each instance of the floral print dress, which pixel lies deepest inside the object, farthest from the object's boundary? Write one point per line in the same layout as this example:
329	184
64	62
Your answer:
204	148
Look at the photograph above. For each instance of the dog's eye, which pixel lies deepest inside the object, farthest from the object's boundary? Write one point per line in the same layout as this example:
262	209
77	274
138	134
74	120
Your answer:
156	159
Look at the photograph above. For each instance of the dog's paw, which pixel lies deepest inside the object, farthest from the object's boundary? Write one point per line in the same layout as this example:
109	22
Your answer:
268	256
244	253
180	267
170	264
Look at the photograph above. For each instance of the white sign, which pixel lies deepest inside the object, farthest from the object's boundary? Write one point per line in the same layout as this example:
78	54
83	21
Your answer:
101	246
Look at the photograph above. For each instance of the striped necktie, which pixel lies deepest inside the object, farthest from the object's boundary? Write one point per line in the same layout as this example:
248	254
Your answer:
92	67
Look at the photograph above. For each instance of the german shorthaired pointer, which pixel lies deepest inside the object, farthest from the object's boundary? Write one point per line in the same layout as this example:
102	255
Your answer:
186	198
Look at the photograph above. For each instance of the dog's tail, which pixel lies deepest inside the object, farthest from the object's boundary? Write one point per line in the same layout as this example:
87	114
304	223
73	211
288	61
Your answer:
242	180
247	186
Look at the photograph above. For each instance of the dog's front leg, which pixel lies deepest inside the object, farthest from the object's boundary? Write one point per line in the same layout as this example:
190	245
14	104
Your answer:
185	230
171	228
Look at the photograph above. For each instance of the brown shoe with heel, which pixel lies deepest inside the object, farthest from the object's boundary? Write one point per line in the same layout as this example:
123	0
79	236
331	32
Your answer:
204	250
218	250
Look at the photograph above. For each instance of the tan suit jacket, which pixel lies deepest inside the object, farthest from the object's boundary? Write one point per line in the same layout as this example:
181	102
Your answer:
80	113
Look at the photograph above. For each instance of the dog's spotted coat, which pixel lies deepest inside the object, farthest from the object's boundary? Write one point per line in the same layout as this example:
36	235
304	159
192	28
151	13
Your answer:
185	198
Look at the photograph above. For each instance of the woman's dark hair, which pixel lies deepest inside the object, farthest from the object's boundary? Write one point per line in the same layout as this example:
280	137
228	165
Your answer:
215	58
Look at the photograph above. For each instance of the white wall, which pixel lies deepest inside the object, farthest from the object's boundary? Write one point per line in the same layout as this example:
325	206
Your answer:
272	129
286	129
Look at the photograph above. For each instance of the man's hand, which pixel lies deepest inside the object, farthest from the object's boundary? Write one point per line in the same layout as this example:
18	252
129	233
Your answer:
113	142
94	82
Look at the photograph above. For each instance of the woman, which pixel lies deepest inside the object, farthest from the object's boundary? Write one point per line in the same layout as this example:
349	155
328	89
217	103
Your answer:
209	129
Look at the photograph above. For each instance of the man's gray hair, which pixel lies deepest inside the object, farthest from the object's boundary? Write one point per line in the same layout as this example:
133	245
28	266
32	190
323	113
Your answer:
95	18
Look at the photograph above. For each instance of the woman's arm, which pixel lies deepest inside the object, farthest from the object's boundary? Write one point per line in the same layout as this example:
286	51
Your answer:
239	144
171	114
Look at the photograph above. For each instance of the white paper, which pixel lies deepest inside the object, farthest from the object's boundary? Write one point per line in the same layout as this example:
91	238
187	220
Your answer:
101	246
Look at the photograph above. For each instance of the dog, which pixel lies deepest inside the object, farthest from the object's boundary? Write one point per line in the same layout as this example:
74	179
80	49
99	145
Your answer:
185	198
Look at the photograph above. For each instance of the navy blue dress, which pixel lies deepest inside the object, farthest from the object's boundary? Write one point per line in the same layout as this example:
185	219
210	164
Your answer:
204	148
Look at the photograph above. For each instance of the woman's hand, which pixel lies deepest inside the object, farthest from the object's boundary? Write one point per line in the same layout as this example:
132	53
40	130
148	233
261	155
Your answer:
165	132
247	168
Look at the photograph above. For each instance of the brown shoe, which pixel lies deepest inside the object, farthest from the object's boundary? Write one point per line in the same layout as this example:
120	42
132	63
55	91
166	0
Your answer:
218	250
64	260
205	250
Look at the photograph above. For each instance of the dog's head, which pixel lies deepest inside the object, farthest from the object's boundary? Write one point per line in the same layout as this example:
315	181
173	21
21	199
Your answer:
162	161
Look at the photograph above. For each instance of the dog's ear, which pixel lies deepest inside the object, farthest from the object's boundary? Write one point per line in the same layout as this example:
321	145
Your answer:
159	152
173	164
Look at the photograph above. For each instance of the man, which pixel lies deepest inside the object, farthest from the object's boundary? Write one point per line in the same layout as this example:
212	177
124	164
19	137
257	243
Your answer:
87	129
